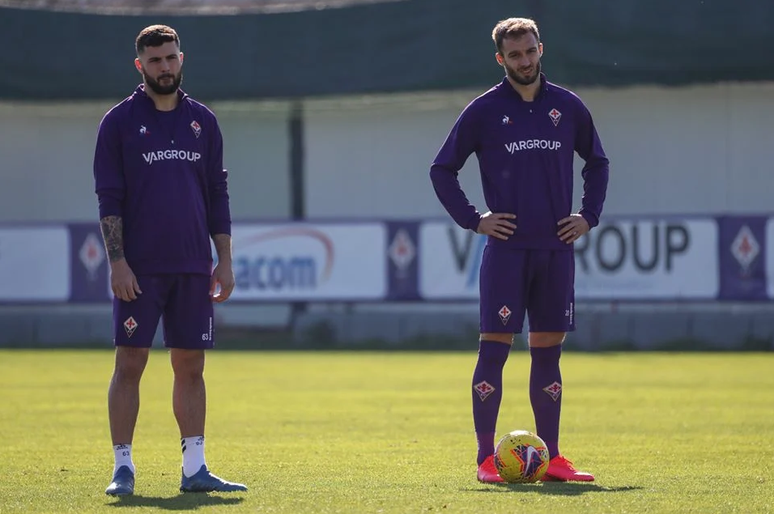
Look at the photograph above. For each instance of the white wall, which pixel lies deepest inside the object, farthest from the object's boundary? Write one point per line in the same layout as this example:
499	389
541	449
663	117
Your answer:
256	148
46	154
371	158
683	150
46	161
672	150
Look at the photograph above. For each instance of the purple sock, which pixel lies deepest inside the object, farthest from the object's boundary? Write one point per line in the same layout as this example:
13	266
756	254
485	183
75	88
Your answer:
487	393
545	394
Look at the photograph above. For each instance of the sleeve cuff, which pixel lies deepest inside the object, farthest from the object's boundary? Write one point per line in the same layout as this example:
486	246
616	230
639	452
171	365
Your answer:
473	222
223	227
590	218
109	207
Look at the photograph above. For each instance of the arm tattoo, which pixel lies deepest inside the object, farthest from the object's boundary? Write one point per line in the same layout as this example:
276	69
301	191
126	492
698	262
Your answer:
222	246
113	234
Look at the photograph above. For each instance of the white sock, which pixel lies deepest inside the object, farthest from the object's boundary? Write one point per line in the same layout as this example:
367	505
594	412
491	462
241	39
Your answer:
123	456
193	454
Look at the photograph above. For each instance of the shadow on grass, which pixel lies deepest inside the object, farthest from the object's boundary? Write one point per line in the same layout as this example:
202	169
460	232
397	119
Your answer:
189	501
554	488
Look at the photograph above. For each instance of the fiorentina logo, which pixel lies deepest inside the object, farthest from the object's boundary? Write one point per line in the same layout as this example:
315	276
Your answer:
91	254
402	251
505	314
555	116
745	248
197	129
130	326
483	389
554	390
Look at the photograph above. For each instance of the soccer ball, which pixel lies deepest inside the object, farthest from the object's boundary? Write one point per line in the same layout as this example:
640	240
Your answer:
521	457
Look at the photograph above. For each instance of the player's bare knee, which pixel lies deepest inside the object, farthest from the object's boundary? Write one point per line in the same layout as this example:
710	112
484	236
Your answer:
499	337
130	363
546	339
187	364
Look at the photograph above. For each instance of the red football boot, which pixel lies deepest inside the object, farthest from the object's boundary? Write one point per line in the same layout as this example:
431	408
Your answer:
487	472
562	470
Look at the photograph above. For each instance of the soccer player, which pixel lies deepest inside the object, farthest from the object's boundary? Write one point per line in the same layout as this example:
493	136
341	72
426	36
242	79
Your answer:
524	132
162	190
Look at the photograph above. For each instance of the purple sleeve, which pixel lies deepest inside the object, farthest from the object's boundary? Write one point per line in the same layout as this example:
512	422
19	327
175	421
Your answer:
595	171
459	144
108	168
220	212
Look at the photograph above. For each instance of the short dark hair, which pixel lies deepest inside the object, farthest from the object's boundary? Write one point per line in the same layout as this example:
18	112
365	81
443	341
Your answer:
513	28
155	35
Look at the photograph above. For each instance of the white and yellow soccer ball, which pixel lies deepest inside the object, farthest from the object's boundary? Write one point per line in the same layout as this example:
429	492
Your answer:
521	457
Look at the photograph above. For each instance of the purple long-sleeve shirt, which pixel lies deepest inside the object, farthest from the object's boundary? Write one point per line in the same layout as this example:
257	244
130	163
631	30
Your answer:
525	152
162	173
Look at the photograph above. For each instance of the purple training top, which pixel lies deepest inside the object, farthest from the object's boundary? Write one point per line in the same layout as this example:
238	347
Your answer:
525	152
162	172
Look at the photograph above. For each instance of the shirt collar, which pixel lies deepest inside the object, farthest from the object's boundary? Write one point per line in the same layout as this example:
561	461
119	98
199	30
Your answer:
506	86
140	93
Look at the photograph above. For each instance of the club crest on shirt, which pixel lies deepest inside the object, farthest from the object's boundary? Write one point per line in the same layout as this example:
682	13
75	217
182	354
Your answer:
197	129
505	314
555	116
130	326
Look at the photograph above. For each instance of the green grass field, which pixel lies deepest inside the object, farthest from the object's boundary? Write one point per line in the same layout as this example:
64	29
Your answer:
392	432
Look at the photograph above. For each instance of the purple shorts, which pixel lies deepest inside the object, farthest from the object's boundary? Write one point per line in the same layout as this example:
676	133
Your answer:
539	283
182	301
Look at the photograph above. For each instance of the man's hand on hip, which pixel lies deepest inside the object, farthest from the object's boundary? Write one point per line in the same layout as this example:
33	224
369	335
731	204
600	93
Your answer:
496	224
572	227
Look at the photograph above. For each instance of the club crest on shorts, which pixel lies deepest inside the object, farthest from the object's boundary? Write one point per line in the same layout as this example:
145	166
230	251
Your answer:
554	390
555	116
505	314
197	129
483	389
130	326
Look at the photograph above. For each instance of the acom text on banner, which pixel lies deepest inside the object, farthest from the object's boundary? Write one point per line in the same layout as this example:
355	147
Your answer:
34	264
309	262
645	259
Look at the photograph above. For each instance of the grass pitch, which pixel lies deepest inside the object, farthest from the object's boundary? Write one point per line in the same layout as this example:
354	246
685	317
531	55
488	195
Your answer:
392	432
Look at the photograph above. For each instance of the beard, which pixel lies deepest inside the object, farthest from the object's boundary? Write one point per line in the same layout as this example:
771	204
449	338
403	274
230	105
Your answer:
169	87
522	78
